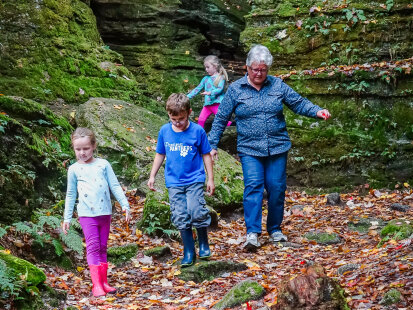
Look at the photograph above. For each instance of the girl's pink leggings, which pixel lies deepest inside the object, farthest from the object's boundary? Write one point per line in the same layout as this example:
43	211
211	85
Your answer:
96	231
206	112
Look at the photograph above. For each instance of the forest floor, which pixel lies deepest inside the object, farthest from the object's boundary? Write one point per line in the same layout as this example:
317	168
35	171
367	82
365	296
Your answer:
149	284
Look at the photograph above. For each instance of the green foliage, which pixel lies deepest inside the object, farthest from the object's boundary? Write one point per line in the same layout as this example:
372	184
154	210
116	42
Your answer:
122	254
353	17
3	231
10	285
47	225
73	240
389	4
392	296
396	230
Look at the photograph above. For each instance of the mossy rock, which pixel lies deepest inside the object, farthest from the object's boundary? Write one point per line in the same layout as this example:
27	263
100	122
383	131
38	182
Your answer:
55	52
397	230
39	142
363	225
45	298
209	270
46	253
122	254
241	293
161	252
35	276
391	297
323	237
347	268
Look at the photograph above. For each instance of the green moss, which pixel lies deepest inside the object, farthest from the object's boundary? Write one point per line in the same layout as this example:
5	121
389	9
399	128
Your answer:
61	56
121	254
32	274
397	230
156	215
158	252
39	141
323	238
242	292
391	297
208	270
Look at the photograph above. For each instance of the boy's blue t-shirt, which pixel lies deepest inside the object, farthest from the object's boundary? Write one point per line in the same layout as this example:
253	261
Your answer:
184	164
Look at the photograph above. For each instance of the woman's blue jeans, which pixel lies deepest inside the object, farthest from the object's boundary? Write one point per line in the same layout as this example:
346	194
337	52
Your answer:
267	172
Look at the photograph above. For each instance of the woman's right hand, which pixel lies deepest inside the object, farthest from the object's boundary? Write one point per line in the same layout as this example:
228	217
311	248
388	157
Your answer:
65	227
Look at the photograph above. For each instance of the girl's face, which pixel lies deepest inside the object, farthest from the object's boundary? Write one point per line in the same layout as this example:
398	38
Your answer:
210	68
84	150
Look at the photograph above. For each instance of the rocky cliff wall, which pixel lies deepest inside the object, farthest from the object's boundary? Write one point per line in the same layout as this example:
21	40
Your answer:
353	58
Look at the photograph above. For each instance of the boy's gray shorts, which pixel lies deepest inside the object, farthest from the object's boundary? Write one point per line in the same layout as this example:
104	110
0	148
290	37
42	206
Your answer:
188	206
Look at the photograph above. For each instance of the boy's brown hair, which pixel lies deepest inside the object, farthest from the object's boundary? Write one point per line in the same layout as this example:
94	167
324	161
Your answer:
177	103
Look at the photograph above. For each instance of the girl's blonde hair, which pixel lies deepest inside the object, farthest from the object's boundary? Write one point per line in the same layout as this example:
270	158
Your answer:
81	132
222	73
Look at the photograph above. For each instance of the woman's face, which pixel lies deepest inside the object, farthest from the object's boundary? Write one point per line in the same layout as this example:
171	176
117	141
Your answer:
257	73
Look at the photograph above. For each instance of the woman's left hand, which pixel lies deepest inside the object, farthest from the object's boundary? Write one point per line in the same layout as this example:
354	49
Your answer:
324	114
207	93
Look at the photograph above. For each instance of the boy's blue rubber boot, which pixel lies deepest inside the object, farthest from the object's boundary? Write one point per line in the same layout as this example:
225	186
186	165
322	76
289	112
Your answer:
204	251
189	248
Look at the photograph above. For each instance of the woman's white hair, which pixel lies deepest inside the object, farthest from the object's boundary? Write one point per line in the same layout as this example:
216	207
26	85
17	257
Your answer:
259	54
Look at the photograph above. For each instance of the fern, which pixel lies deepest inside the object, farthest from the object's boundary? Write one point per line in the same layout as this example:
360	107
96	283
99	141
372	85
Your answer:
24	228
58	247
75	224
73	241
2	232
9	283
51	221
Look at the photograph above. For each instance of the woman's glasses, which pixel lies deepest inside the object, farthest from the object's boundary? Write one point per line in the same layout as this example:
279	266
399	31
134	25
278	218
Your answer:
256	70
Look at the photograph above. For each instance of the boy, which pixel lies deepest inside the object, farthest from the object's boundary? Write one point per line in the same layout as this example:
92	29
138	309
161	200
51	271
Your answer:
186	147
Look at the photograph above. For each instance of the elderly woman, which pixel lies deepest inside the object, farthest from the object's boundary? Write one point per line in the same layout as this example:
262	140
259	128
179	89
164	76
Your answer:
262	139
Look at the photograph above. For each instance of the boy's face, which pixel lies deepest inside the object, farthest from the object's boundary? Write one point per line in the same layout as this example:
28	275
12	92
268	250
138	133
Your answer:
181	120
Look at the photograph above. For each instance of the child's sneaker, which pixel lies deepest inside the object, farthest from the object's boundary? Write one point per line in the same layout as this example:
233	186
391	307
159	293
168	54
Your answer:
278	236
251	244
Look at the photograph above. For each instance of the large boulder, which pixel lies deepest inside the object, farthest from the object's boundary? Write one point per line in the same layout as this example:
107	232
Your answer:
126	136
35	143
23	285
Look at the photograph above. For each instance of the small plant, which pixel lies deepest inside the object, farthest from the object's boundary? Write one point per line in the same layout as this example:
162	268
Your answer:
45	228
10	285
353	17
389	4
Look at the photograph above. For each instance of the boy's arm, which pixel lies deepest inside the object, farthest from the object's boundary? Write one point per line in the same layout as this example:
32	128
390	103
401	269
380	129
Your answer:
157	163
210	171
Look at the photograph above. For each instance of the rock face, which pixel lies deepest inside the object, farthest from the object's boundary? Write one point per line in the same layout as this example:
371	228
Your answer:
311	291
34	145
354	59
51	50
161	40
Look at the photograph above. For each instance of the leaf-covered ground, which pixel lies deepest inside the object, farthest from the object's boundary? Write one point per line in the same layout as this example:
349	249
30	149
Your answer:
148	284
